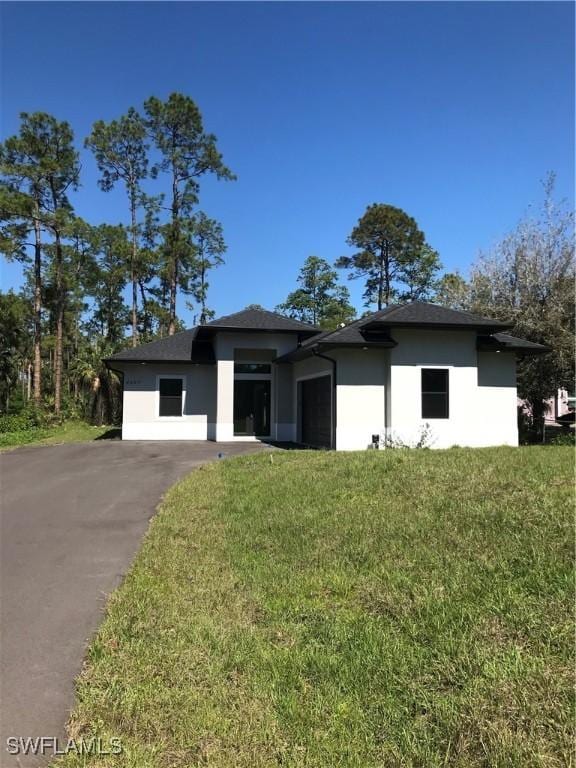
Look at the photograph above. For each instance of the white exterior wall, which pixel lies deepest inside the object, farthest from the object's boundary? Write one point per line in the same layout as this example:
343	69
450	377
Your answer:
482	400
361	397
140	419
497	410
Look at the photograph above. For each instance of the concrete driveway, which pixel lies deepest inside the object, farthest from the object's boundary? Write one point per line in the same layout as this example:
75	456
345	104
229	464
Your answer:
72	519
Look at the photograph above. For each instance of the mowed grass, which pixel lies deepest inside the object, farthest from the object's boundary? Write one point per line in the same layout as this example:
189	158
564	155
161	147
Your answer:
68	432
395	608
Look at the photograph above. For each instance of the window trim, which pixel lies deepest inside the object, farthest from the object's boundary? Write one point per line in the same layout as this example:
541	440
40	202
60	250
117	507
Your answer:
170	376
439	369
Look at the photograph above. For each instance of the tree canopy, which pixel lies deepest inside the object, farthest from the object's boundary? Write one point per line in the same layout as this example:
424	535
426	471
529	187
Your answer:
392	256
529	278
318	300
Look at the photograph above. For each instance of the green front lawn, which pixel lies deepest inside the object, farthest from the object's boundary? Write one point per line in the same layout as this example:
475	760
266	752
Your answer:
399	608
68	432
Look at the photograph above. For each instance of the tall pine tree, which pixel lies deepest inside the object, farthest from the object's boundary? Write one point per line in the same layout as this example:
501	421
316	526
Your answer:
187	154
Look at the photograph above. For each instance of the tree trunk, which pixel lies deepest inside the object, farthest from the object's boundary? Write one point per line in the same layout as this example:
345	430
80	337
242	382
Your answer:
37	310
60	298
58	356
146	325
381	279
133	270
387	272
173	289
203	317
174	236
29	382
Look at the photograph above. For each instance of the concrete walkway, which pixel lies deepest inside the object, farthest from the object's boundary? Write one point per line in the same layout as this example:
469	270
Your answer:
72	519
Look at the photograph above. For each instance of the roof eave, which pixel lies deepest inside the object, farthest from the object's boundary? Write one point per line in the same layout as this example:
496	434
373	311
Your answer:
496	326
519	349
208	331
145	361
309	350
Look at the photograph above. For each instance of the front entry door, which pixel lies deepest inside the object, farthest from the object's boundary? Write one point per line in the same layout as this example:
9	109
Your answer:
252	407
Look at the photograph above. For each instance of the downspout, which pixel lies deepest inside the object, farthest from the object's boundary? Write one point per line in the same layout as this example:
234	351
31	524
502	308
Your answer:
334	390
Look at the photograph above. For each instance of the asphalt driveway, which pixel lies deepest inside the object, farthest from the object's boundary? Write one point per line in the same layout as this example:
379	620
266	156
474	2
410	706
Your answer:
72	518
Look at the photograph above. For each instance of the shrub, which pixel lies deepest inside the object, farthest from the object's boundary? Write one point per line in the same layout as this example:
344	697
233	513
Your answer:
28	418
566	438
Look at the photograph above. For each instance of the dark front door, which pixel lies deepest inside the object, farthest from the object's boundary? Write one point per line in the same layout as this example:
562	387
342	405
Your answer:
252	407
316	412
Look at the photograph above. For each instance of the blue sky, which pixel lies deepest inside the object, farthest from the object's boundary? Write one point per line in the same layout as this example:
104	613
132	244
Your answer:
452	111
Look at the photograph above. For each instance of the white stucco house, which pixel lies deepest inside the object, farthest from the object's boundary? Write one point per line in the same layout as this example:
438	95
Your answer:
384	378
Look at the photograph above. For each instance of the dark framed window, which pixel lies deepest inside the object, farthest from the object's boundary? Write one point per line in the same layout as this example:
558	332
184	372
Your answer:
435	393
252	368
170	397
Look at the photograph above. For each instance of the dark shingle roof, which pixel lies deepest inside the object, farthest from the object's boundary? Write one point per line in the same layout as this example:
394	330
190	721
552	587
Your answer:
375	329
261	320
506	341
194	345
422	314
171	349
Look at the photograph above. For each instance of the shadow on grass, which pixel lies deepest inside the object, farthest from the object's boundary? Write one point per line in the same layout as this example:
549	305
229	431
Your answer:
111	434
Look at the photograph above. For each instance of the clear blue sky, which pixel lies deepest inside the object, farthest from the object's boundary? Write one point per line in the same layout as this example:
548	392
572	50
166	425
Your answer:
451	111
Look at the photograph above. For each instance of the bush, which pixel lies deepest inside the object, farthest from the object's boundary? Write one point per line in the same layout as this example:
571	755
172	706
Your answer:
566	438
29	418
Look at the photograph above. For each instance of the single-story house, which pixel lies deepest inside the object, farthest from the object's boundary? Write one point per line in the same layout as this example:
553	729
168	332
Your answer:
388	377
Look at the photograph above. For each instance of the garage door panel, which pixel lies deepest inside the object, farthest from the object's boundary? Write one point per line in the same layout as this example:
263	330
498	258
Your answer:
316	412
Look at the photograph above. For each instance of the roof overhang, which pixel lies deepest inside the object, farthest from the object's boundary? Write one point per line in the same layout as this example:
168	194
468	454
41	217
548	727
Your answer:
518	346
301	353
206	332
493	327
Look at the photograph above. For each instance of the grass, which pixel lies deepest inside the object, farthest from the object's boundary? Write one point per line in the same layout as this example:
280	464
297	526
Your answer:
399	608
68	432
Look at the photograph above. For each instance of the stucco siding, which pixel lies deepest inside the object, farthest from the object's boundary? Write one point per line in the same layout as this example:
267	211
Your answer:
497	422
361	397
479	415
379	391
141	402
255	346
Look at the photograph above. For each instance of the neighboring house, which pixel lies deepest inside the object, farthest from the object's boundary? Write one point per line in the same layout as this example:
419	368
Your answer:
385	377
558	410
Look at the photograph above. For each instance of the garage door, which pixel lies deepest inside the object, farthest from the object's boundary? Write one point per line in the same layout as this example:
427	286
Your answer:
315	399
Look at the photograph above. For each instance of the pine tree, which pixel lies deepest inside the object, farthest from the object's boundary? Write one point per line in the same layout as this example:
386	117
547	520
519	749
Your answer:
391	252
318	300
121	151
187	154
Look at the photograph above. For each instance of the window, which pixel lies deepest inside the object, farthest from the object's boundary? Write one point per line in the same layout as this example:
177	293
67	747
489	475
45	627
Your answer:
170	397
434	393
262	368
